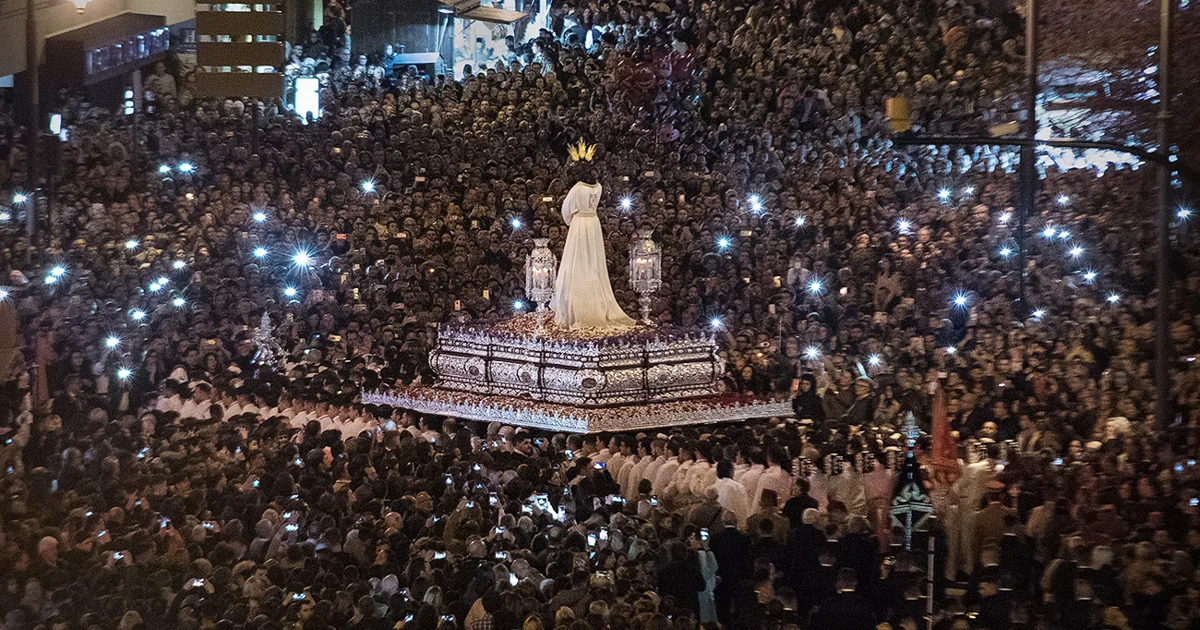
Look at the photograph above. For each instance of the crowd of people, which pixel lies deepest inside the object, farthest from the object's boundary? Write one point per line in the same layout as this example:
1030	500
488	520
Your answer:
175	458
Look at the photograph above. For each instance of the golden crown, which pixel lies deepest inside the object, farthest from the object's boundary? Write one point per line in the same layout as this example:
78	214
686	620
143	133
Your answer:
582	152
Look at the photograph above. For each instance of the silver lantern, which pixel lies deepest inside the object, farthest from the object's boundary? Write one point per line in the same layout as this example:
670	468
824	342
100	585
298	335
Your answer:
541	267
645	270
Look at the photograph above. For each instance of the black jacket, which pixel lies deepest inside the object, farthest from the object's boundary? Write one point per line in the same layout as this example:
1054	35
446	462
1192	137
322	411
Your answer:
845	611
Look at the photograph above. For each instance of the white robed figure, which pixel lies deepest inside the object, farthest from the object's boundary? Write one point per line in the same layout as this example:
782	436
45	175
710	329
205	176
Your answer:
583	296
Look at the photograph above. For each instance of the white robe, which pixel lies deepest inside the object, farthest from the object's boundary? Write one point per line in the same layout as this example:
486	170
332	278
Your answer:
583	295
733	497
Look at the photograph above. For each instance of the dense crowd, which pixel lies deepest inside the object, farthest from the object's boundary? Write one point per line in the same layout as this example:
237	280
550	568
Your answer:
173	461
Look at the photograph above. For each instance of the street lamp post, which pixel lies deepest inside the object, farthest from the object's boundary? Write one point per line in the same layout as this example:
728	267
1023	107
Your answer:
1162	380
35	118
1028	184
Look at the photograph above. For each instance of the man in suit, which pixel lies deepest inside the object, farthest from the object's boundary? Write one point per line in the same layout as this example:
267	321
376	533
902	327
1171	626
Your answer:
731	547
804	545
793	510
989	522
846	609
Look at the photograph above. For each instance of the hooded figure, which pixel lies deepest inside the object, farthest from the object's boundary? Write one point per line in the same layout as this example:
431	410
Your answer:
807	404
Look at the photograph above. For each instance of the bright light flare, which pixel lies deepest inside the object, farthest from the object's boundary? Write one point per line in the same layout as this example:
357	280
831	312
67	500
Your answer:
800	221
944	195
186	167
874	360
904	226
1063	200
50	279
1049	231
164	168
516	223
260	252
812	353
1184	214
518	305
3	294
58	271
290	291
124	373
816	287
179	302
260	217
112	341
1076	251
5	216
302	259
1114	298
969	190
626	203
756	203
1064	235
960	300
155	287
1089	276
131	244
1005	252
1038	313
723	243
715	322
178	264
1004	218
138	315
368	186
951	350
20	198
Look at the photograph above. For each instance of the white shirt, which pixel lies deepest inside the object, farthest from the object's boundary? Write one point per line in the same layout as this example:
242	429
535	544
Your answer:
777	479
733	497
664	476
739	471
169	403
193	409
750	478
848	488
614	464
679	484
651	470
701	477
635	476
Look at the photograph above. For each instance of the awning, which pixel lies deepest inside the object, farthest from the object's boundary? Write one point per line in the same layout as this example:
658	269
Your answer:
495	16
417	59
106	49
473	10
114	29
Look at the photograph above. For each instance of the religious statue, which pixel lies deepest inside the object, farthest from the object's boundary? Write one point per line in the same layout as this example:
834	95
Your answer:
583	295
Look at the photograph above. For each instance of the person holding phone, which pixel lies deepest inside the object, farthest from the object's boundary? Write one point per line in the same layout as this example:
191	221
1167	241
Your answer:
687	580
708	570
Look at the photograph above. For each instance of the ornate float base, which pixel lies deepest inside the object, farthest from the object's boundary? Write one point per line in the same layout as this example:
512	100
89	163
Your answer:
571	419
525	358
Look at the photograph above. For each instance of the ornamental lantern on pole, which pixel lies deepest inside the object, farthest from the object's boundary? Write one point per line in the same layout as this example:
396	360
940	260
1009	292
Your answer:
541	267
645	270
